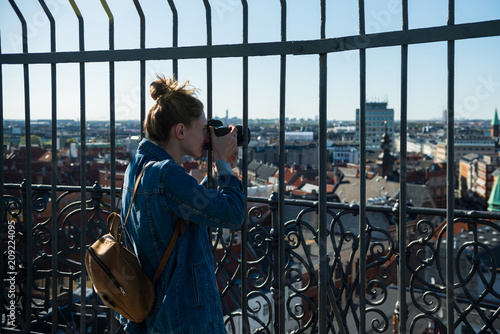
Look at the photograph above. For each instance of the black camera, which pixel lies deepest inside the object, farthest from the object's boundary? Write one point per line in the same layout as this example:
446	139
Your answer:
221	130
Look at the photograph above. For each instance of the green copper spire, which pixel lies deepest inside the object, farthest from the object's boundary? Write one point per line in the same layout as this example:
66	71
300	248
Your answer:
494	200
495	121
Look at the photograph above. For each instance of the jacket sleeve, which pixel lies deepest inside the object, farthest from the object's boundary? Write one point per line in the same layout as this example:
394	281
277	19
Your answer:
221	207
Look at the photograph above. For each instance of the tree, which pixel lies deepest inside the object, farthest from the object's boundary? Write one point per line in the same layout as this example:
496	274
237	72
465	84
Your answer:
35	140
67	142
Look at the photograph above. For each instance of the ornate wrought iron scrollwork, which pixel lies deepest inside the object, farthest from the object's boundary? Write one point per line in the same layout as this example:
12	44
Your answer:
475	270
68	254
259	264
474	261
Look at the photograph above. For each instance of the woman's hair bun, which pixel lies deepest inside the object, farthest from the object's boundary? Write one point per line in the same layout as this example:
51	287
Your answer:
166	87
174	103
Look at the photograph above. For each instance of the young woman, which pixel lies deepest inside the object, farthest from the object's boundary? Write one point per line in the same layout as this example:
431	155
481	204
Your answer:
187	299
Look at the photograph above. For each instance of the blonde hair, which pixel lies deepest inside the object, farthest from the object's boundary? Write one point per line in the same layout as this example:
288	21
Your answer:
174	103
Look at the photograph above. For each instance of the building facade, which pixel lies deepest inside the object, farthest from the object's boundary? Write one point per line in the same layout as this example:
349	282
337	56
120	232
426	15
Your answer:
378	116
485	169
340	154
464	146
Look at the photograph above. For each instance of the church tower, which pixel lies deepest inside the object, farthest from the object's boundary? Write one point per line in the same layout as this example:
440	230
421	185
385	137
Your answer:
385	159
495	126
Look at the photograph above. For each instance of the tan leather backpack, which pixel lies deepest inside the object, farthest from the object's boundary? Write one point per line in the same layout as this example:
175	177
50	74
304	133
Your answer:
116	273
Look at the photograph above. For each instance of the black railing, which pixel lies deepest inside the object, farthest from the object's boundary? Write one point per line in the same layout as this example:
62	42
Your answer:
291	297
299	270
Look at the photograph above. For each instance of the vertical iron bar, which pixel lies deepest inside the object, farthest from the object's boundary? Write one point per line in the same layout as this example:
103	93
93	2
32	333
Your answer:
53	196
4	231
450	187
281	300
275	267
175	37
244	228
112	126
112	116
83	170
143	63
403	178
27	215
362	176
323	257
208	16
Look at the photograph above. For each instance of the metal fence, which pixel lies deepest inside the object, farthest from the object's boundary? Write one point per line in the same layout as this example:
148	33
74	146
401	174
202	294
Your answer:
277	281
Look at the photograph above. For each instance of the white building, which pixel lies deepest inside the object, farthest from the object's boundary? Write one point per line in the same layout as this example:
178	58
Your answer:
343	154
299	136
429	149
417	146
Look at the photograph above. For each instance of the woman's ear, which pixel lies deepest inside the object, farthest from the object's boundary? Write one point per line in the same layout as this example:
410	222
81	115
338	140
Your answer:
179	130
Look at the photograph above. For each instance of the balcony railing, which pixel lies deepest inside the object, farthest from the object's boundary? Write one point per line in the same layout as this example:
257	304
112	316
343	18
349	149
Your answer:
282	267
303	266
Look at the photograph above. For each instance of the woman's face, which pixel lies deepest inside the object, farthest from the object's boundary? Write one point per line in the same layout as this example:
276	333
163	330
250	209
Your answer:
195	136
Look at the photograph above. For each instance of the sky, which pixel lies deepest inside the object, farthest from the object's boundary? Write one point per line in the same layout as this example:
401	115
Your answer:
477	76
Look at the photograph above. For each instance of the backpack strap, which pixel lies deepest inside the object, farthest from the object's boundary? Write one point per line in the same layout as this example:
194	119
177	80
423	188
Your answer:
180	228
114	220
133	196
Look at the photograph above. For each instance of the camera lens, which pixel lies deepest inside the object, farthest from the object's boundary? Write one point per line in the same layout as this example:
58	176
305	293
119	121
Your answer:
221	130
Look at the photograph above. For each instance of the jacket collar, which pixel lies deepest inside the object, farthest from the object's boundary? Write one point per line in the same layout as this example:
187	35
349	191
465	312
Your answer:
147	147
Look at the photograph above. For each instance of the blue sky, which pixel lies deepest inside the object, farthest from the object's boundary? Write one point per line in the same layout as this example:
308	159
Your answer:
477	61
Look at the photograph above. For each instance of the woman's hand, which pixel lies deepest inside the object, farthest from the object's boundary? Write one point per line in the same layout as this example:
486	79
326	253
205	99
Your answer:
233	160
225	146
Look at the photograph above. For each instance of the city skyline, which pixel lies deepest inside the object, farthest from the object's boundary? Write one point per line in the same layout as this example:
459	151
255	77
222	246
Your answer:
477	83
351	122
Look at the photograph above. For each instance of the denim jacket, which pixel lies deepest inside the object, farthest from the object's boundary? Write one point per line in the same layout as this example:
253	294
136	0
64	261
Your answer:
187	299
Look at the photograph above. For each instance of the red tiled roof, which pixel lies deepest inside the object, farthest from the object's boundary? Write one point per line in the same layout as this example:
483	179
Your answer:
189	165
458	227
47	157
